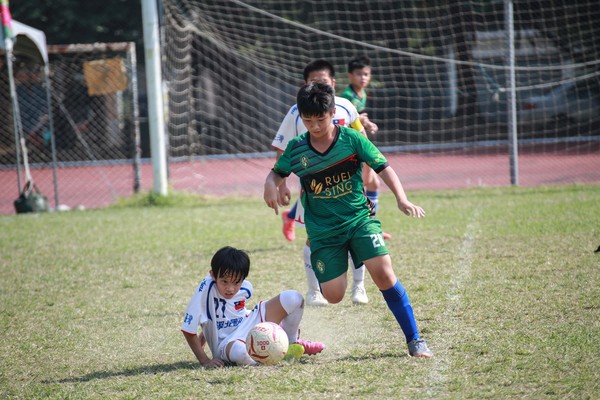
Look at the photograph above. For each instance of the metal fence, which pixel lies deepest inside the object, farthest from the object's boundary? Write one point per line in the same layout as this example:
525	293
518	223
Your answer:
94	110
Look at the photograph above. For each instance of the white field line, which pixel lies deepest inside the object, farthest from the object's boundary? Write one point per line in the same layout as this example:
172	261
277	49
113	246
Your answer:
451	326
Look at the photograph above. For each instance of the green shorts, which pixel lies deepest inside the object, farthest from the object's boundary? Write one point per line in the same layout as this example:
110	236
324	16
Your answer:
329	256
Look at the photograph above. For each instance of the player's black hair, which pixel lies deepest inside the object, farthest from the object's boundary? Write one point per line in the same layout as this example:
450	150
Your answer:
358	63
318	65
315	99
230	261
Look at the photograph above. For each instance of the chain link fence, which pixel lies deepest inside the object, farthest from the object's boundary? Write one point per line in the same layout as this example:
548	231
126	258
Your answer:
93	115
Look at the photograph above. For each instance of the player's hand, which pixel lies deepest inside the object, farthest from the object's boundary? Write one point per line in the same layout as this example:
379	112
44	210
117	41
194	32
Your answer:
284	195
214	363
410	209
373	128
271	197
370	127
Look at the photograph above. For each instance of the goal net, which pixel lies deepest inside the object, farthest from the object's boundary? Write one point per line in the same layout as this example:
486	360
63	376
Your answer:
440	71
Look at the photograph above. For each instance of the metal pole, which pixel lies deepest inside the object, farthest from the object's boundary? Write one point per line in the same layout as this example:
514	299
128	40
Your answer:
512	96
16	115
52	138
155	96
136	119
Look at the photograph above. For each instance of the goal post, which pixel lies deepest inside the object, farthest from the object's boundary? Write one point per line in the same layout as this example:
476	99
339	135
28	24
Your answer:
155	91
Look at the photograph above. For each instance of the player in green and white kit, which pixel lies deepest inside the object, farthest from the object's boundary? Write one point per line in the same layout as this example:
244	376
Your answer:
291	126
328	160
332	183
359	76
358	100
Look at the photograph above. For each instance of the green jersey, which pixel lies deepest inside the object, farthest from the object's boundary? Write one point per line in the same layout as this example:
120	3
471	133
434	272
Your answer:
360	102
331	182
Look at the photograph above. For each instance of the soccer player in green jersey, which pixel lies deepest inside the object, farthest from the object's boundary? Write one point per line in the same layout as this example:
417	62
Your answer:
345	114
359	75
328	160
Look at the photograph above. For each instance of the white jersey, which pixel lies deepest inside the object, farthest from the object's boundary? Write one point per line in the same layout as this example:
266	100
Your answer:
219	318
292	126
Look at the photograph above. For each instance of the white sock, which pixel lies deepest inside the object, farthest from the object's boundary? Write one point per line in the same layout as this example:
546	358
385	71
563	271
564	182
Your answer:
358	274
311	279
293	304
239	355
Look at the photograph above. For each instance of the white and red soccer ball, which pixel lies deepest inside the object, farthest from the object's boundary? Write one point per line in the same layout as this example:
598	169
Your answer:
267	343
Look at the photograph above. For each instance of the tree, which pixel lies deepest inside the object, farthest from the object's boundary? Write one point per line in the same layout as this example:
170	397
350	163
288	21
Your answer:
76	21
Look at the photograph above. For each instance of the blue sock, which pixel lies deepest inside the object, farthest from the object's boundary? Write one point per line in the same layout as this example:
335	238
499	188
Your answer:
292	213
374	197
398	302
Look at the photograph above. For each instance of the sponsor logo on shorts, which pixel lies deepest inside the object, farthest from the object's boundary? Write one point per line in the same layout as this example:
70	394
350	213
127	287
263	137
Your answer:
320	266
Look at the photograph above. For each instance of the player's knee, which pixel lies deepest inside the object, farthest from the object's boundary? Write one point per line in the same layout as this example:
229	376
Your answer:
237	353
291	300
333	297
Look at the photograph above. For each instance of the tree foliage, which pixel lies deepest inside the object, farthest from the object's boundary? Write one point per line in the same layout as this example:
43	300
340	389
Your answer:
76	21
572	25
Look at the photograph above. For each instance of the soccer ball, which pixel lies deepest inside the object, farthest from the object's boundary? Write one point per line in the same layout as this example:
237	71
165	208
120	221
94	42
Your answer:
267	343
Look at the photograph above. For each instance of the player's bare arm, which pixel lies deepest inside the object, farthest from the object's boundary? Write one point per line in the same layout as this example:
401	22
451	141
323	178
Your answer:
285	193
389	176
271	192
196	343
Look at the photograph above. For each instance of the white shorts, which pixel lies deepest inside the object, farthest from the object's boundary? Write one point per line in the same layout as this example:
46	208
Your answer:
256	316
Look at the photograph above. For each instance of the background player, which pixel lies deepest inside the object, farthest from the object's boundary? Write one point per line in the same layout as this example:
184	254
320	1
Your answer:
359	75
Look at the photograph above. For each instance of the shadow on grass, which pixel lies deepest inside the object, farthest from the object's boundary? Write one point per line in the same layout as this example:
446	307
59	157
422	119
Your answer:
151	369
374	356
162	368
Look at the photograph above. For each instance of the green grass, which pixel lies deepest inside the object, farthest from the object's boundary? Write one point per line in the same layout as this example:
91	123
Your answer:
504	284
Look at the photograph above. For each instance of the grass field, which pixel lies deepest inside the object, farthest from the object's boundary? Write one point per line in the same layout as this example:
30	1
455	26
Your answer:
505	286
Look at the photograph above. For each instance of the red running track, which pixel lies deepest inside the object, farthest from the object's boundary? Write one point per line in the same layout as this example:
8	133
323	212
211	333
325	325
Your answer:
98	186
